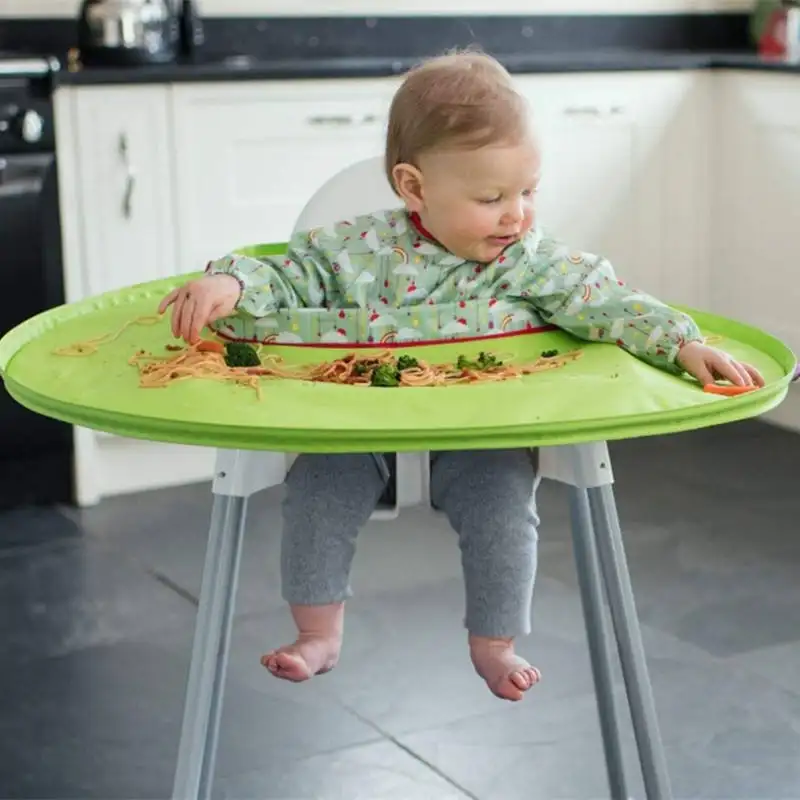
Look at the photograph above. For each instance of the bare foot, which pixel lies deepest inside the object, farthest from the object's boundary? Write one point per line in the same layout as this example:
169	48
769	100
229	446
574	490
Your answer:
308	656
507	675
316	649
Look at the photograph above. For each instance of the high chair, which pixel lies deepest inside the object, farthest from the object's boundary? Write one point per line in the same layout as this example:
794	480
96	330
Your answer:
599	557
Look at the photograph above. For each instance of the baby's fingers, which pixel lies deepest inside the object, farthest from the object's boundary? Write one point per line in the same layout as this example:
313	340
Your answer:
701	372
758	378
181	316
729	370
168	300
744	374
200	313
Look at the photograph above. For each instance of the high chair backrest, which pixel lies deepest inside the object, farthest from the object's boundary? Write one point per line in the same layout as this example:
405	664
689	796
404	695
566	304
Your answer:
358	189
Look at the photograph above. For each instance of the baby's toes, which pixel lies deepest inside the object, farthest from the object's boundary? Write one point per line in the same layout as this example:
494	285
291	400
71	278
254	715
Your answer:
520	679
267	660
524	679
272	662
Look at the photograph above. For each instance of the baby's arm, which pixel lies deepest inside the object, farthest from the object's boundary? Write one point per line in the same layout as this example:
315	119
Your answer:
252	286
580	293
303	277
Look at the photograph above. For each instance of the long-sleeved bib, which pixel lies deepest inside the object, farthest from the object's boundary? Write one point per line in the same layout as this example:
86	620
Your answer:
379	278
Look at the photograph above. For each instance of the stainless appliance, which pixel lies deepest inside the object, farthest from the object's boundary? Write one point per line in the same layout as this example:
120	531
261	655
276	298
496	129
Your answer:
35	452
127	32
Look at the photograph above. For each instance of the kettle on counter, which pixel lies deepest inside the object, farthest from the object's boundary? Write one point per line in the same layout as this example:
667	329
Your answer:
128	32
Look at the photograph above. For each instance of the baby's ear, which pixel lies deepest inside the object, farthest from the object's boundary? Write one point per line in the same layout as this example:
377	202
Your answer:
408	184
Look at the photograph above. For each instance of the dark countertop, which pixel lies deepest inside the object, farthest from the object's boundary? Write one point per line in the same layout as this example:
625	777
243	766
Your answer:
246	68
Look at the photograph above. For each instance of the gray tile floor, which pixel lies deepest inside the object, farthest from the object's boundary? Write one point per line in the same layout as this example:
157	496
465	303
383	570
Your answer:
97	608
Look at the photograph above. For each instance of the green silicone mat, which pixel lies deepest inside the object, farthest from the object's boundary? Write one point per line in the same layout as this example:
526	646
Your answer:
607	394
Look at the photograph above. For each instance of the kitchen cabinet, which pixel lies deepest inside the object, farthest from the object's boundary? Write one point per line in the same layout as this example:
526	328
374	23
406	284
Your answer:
623	173
250	156
756	212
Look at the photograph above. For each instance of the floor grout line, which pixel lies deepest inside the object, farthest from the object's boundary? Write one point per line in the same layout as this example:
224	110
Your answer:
409	751
170	584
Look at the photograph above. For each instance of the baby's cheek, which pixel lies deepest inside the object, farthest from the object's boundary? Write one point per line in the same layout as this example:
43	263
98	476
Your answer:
481	225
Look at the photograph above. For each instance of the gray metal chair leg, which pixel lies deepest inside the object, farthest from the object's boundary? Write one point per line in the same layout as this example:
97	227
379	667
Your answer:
629	642
598	633
194	773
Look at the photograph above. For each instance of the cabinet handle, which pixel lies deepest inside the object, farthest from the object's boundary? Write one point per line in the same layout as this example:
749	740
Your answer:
342	120
130	176
593	111
582	111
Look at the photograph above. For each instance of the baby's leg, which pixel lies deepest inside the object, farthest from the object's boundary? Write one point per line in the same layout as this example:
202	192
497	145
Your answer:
488	497
328	499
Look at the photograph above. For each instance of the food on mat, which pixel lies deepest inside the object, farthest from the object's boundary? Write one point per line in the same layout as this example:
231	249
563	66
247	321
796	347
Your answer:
241	354
727	390
382	369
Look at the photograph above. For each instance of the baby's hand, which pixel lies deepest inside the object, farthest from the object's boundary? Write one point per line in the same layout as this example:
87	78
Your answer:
199	302
708	364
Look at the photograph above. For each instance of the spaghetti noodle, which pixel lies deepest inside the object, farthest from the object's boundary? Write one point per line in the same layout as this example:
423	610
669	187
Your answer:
91	346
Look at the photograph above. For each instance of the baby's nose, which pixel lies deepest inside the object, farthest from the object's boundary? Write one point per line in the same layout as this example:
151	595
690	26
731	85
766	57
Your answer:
515	212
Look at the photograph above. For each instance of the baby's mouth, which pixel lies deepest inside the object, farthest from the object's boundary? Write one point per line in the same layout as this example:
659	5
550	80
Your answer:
504	239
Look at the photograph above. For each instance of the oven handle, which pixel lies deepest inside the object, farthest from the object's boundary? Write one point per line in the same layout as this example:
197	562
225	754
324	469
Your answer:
21	186
30	182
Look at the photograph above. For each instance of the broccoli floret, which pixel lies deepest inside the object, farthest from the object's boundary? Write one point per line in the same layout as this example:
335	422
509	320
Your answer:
385	375
549	353
406	362
360	369
241	354
484	361
487	360
464	363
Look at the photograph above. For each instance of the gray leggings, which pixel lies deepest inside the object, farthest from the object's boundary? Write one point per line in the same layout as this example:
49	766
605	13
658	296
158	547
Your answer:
488	496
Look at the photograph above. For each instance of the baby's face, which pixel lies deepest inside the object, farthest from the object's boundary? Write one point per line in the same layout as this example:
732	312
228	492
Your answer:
478	202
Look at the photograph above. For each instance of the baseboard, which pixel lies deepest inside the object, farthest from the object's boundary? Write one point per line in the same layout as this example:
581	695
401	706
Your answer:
110	465
139	466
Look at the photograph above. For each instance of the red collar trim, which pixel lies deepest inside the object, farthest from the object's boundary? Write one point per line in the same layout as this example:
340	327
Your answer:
416	221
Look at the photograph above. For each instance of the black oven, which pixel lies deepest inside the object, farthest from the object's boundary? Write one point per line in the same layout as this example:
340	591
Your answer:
35	452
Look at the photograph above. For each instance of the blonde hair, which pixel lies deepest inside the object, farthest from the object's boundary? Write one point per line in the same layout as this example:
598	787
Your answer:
462	99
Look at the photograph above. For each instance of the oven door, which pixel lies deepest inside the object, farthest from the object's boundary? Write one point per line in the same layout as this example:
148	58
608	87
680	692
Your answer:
35	451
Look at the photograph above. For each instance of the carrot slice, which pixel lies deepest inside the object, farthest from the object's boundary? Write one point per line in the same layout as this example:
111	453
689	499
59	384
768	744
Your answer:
728	390
208	346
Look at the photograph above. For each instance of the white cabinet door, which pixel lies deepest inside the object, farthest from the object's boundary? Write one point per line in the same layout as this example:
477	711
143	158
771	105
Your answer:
249	156
620	172
124	189
118	228
757	203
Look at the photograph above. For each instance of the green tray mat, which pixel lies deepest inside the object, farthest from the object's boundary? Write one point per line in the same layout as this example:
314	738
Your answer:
607	394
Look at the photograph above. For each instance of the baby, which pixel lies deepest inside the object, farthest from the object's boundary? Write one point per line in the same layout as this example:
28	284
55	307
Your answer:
462	254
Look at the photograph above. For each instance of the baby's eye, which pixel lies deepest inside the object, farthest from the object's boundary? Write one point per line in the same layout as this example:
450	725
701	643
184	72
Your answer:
489	201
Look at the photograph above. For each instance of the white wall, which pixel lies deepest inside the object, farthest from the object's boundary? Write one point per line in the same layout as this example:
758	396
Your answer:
68	8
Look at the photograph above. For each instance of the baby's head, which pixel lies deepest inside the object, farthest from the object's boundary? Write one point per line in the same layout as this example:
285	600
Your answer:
461	152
